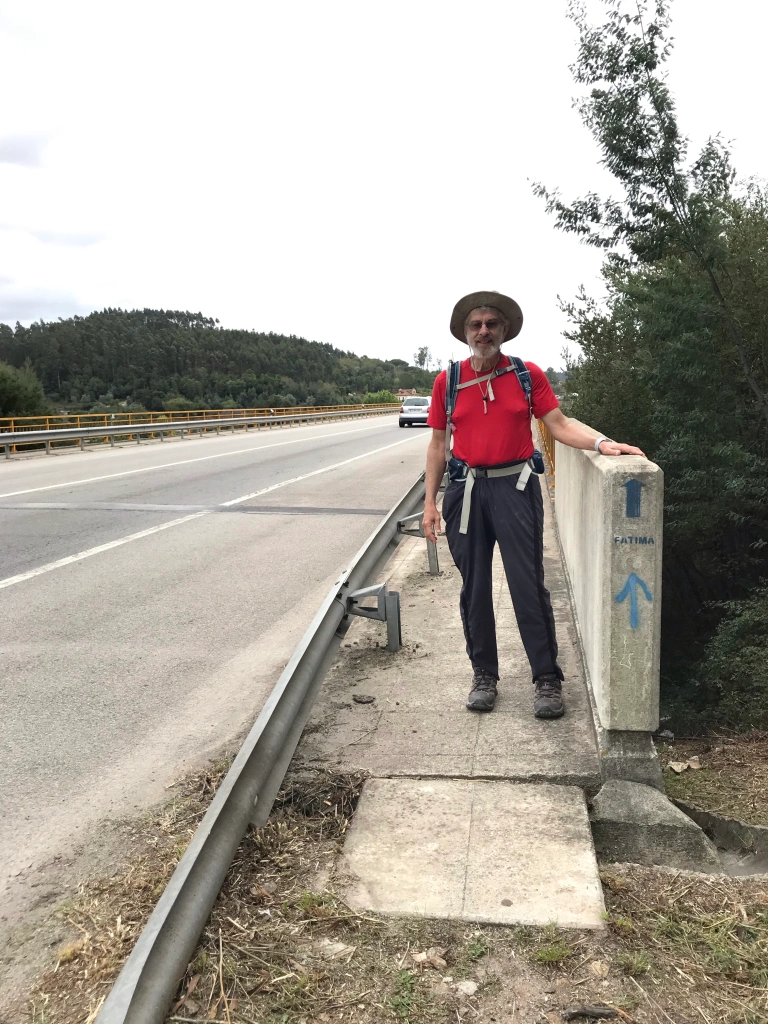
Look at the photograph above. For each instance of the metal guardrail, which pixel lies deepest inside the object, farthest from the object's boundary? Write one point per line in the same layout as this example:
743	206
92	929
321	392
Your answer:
148	981
10	439
120	419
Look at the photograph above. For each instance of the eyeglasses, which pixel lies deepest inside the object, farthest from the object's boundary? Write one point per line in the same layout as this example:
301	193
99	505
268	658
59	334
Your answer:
475	325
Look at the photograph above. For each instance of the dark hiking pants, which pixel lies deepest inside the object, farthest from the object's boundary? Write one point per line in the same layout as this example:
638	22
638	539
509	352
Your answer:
513	519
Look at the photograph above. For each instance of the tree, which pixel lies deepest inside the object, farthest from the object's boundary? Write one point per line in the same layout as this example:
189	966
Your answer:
380	398
676	358
423	357
21	393
152	357
553	377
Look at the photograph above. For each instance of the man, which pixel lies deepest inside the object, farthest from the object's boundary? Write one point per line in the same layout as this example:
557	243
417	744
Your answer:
492	498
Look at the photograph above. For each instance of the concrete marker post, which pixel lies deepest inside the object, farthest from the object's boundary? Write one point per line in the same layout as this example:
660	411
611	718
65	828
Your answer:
609	514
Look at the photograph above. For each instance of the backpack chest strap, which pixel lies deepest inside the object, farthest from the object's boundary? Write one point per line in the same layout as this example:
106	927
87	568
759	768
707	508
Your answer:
488	376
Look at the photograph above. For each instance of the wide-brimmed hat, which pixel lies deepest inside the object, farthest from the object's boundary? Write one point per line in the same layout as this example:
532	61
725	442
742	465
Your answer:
503	303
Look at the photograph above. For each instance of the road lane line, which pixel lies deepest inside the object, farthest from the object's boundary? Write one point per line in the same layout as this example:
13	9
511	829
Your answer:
183	462
315	472
62	562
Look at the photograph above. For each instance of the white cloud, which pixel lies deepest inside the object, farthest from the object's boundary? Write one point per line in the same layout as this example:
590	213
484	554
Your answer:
342	171
24	150
25	305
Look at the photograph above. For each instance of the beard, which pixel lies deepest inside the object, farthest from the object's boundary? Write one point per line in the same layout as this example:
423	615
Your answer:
486	352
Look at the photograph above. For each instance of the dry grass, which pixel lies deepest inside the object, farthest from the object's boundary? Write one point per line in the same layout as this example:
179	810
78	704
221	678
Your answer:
732	780
281	947
701	942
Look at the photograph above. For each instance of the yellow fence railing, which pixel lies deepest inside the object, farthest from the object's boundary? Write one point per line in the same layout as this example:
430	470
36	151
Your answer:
548	443
119	419
103	427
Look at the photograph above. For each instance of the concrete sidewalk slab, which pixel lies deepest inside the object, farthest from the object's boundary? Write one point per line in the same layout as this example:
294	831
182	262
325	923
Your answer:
418	724
490	852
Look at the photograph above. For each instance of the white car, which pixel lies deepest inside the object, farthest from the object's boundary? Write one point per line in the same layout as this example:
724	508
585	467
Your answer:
414	410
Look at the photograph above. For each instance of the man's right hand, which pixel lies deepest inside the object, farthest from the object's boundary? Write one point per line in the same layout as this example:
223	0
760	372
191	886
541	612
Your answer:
432	523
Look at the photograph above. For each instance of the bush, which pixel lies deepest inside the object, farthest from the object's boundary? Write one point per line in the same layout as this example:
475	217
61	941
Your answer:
380	398
21	393
178	403
735	665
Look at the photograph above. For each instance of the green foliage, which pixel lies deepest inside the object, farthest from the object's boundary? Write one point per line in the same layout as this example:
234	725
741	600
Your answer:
555	948
164	359
735	668
634	962
21	393
676	359
476	949
401	1002
379	398
177	403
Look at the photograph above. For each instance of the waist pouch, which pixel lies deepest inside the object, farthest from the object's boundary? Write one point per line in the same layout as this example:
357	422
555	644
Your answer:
457	468
460	471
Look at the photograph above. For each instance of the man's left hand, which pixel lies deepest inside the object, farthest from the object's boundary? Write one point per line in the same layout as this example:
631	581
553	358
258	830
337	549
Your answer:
617	448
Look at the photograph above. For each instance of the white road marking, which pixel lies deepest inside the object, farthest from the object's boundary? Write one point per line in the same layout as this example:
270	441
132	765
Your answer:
315	472
61	562
183	462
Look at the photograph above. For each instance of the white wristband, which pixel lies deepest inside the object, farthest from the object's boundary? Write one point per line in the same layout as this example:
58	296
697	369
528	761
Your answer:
599	441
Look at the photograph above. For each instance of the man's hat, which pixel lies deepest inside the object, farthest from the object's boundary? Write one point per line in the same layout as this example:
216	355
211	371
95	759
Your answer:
503	303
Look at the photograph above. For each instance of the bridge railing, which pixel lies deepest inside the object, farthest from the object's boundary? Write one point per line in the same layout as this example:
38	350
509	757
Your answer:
609	513
50	431
9	424
549	448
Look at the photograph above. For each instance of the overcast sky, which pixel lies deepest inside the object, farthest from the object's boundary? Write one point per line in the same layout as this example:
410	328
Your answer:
342	170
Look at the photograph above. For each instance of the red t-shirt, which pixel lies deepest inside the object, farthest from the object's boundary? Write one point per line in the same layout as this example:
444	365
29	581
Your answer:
503	434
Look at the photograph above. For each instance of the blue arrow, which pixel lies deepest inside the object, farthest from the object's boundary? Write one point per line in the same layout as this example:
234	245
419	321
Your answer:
634	495
630	591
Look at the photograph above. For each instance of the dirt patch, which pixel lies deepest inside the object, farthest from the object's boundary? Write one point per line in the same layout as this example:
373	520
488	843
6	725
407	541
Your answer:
727	775
281	946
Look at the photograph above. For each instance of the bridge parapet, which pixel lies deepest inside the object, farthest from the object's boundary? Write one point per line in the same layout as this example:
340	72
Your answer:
609	514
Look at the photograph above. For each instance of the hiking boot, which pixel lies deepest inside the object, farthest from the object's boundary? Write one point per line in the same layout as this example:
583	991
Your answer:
482	697
548	697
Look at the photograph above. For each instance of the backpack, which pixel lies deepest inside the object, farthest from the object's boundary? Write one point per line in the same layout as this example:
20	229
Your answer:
452	387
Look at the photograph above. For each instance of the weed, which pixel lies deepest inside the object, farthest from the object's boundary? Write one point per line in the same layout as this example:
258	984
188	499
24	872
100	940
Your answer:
621	924
634	963
555	948
402	998
310	902
476	949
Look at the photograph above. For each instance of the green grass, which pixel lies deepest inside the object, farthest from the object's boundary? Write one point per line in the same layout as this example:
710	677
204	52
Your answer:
555	949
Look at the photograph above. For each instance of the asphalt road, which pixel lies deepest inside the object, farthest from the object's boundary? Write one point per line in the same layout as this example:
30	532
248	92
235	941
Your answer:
149	598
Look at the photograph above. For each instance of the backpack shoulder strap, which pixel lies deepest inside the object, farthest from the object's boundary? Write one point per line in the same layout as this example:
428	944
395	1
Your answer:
523	374
452	377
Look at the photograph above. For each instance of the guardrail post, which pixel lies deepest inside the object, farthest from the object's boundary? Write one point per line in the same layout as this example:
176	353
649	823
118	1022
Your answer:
112	440
7	451
406	526
47	447
394	627
82	444
387	610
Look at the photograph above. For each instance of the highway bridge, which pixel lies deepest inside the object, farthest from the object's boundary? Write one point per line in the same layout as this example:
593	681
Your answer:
160	600
149	597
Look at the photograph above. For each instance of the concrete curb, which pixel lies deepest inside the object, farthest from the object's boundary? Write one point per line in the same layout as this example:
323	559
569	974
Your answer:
632	822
